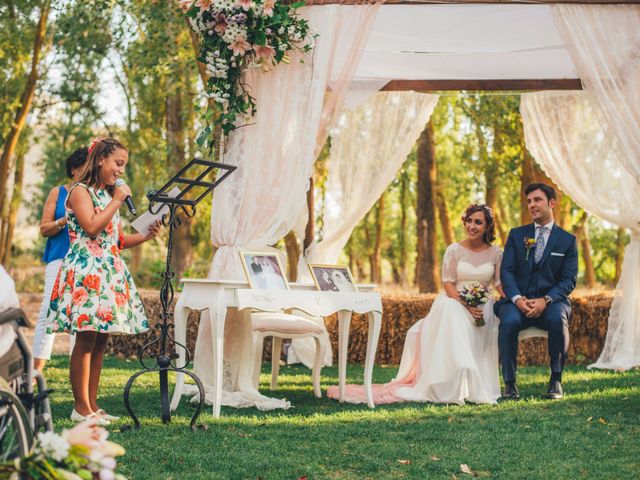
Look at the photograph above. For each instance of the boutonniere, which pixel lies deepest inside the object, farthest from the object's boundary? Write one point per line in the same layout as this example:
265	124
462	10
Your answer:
529	243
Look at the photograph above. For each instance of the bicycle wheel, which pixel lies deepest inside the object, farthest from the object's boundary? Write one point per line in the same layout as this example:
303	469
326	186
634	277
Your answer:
15	434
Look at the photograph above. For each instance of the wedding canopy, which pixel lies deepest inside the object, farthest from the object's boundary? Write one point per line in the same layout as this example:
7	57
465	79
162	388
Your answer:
445	42
369	47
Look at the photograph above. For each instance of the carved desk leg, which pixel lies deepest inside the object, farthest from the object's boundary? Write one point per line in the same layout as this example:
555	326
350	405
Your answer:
375	324
344	324
218	312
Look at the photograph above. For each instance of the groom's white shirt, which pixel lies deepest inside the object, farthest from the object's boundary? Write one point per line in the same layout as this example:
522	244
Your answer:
546	234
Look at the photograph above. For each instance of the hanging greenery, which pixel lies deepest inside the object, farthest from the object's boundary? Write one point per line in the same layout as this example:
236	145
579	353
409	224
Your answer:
236	35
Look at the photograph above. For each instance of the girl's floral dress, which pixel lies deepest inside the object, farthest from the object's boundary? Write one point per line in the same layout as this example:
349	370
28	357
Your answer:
94	291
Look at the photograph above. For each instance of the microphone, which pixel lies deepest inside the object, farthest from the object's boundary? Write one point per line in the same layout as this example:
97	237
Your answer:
128	201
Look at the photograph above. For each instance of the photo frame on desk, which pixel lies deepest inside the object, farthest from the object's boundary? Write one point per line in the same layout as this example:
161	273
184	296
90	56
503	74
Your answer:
333	278
264	270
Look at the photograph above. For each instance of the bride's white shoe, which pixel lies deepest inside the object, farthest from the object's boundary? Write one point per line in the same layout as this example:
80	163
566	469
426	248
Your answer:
76	417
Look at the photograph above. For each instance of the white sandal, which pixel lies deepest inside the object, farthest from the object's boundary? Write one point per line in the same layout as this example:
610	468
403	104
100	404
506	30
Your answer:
106	416
76	417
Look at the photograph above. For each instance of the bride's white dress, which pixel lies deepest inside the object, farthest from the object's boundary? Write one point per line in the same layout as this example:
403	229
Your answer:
446	357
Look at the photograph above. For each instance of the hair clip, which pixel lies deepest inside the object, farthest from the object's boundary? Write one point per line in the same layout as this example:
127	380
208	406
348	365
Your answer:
93	144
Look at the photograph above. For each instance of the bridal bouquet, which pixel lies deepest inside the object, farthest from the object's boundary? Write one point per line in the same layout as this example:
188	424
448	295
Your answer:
236	35
474	295
82	453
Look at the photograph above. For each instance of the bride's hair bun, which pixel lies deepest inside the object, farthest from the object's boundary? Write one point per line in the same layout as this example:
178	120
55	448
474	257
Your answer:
490	228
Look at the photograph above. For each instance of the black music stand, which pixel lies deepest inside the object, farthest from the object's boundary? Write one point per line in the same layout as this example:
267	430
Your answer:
163	359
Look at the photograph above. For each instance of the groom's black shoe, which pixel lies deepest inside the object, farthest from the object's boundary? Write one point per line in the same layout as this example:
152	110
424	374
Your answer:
555	390
511	392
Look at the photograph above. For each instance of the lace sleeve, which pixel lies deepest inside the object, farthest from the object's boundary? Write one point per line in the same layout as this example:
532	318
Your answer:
450	265
496	278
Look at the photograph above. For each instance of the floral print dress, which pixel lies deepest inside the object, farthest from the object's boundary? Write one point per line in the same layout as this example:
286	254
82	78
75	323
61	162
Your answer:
94	291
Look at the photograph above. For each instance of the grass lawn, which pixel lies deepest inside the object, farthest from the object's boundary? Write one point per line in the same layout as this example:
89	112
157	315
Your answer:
593	433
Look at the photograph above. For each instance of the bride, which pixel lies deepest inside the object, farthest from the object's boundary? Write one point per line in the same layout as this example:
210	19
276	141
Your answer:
447	357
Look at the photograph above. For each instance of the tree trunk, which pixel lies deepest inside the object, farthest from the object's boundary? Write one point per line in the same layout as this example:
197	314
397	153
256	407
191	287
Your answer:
401	268
531	173
619	253
293	254
501	222
428	276
182	241
14	206
445	220
376	263
527	177
565	213
582	232
25	103
309	231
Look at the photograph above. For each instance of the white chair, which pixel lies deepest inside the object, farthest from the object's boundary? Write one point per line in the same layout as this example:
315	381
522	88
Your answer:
532	332
282	325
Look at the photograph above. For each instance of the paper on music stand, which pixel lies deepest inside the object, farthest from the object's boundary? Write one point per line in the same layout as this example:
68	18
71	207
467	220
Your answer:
143	223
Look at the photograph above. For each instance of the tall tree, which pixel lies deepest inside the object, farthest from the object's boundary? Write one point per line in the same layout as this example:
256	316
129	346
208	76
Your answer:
581	231
427	272
23	107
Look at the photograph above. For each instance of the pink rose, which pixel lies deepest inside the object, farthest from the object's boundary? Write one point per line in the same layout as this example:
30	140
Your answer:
95	249
80	296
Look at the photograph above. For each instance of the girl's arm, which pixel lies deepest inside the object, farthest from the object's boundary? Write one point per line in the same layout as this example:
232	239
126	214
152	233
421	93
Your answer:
49	226
137	238
93	222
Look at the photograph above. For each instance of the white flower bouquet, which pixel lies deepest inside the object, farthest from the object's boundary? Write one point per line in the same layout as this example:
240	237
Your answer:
82	453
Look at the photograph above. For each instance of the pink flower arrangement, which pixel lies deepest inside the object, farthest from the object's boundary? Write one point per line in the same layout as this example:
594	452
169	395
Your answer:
244	4
267	7
237	35
239	46
265	52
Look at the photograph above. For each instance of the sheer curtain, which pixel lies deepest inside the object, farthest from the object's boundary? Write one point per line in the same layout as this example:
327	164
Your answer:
369	144
565	138
604	44
257	205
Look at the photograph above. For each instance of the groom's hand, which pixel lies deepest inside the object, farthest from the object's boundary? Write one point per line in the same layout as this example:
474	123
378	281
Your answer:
536	307
523	305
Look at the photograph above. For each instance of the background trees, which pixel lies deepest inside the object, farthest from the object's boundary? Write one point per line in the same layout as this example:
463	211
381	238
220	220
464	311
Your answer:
72	70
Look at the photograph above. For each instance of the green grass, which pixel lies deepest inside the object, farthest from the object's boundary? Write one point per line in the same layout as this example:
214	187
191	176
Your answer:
593	433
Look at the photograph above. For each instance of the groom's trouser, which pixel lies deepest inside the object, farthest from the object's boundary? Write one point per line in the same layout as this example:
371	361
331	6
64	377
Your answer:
555	320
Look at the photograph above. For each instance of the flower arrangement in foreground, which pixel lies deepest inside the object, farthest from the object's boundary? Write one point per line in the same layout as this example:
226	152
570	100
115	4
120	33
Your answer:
82	453
474	295
236	35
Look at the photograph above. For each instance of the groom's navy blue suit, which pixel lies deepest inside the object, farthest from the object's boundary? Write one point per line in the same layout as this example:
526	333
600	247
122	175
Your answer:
553	276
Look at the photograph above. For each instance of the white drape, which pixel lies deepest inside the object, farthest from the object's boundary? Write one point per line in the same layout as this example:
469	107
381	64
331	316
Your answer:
369	144
604	44
257	205
565	138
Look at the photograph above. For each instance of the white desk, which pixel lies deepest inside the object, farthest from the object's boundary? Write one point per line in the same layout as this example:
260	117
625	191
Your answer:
217	296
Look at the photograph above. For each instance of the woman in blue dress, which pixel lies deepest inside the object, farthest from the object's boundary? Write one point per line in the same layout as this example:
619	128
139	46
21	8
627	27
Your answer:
53	226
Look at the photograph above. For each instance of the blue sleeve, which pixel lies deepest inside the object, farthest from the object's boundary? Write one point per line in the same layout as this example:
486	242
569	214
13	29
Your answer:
568	275
508	269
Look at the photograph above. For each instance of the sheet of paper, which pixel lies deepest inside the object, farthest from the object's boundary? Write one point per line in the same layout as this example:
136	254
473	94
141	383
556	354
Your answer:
143	223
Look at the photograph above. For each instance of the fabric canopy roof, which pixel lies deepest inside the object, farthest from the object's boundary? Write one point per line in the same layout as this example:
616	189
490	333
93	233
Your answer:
478	41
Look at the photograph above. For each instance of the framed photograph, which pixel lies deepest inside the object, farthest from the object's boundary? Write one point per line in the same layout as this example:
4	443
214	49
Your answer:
333	278
264	271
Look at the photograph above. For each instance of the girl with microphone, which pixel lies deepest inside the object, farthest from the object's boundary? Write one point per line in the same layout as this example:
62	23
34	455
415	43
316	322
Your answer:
94	294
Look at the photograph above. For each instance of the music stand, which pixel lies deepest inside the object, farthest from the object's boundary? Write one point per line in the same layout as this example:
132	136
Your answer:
164	360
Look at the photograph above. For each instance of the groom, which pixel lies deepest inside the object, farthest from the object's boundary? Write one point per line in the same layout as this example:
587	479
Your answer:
538	272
